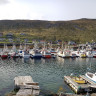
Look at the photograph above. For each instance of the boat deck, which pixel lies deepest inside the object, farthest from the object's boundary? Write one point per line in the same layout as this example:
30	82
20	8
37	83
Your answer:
80	88
88	80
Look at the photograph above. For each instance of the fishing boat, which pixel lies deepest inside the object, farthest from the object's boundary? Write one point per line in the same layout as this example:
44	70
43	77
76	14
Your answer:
89	54
4	53
13	53
79	80
20	51
91	76
25	54
46	54
94	54
73	54
36	54
82	54
53	52
64	53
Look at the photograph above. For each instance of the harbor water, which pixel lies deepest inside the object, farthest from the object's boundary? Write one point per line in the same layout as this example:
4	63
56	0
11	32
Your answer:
48	72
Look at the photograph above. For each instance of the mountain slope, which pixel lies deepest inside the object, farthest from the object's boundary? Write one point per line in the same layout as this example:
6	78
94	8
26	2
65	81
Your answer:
77	30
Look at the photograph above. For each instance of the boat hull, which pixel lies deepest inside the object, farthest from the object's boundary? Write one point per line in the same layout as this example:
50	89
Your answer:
94	56
37	57
47	56
90	75
26	56
4	56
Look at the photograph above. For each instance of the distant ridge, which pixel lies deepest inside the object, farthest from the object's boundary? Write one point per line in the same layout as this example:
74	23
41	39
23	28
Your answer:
81	30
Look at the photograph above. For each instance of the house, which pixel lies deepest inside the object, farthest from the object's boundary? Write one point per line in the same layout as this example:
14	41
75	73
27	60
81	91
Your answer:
18	39
10	40
71	43
1	34
26	40
22	34
59	42
42	42
2	39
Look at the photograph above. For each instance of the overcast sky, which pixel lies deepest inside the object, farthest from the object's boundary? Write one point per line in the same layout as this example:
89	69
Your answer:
47	9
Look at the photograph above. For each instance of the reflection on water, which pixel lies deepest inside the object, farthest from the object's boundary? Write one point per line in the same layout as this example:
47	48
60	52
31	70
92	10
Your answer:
48	72
25	60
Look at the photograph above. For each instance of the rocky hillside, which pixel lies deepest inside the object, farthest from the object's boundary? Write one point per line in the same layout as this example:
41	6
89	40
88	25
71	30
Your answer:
81	30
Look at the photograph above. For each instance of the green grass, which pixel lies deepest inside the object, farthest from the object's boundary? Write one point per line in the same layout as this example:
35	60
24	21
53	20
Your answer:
83	30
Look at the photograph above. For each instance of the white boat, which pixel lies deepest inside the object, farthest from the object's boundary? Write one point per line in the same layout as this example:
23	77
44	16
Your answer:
91	76
94	54
13	53
73	54
53	52
20	51
89	54
64	53
25	54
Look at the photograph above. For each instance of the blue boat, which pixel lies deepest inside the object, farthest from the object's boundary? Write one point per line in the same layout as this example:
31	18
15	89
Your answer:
36	54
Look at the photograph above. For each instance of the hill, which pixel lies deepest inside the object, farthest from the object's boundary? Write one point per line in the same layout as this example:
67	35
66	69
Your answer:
81	30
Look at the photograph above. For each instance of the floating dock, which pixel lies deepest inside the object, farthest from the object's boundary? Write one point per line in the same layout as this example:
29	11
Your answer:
88	86
26	86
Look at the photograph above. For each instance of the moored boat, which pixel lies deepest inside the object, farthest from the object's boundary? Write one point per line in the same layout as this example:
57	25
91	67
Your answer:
13	53
79	80
36	54
94	54
4	53
89	54
25	54
53	52
64	53
82	54
46	54
91	76
73	54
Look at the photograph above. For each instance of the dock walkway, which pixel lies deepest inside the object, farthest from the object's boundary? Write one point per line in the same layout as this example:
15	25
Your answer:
26	86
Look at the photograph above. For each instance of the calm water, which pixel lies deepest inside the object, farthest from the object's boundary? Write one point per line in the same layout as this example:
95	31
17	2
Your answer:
48	72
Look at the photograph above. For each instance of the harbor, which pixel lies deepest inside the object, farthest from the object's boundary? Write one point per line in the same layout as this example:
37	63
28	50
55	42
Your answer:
41	61
48	50
49	73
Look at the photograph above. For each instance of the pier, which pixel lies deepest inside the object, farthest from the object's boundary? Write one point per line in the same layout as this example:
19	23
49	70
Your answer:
26	86
79	88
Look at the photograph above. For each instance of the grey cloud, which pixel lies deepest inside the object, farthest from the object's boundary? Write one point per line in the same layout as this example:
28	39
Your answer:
4	2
